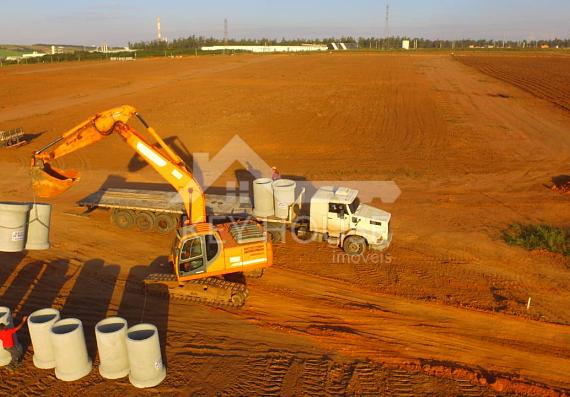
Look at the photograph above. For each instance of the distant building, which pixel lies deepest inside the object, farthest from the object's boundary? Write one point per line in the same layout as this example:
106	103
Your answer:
406	44
268	48
57	49
105	49
34	54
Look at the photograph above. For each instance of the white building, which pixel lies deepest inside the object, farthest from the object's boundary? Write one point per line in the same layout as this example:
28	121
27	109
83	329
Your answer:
34	54
57	50
268	48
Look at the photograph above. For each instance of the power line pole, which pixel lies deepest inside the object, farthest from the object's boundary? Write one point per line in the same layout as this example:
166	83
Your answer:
387	24
158	33
225	34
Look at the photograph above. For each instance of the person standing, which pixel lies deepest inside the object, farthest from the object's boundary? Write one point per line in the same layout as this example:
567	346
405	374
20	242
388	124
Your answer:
275	175
10	342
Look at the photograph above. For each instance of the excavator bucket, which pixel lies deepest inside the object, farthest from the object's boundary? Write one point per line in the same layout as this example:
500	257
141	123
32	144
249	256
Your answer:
48	181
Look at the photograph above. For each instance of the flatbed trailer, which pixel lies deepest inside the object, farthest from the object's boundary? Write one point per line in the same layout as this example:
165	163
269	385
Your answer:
161	211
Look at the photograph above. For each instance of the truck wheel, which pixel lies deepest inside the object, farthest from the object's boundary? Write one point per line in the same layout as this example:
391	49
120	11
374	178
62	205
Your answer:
123	218
354	245
165	223
275	236
145	221
301	231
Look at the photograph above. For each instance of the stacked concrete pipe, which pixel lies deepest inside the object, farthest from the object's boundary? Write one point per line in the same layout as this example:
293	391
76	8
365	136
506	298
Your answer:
13	226
40	323
37	237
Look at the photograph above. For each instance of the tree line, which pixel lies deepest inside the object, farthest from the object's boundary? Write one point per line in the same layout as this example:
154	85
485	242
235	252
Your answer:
195	42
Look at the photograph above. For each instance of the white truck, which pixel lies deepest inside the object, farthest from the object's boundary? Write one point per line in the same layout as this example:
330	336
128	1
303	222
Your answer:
335	216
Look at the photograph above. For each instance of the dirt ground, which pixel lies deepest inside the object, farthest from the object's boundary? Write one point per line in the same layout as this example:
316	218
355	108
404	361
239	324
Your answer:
442	313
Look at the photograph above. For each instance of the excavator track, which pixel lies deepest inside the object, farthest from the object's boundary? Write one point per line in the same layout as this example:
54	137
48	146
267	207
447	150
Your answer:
211	291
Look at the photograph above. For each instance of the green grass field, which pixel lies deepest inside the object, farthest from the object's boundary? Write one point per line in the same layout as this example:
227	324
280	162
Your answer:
9	53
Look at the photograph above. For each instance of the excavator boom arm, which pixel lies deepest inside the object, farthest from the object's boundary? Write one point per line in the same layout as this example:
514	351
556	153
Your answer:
48	181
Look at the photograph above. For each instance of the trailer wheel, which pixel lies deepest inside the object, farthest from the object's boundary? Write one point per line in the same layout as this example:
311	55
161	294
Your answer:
123	218
301	231
354	245
275	236
145	221
165	223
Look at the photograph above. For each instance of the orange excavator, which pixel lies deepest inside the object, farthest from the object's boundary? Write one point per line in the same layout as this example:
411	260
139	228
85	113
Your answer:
203	254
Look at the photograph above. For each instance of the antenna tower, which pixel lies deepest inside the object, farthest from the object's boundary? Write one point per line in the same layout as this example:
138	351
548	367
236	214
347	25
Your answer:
158	34
387	22
226	31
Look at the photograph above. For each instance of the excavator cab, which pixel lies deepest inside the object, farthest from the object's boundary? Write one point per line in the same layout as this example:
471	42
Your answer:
205	250
196	253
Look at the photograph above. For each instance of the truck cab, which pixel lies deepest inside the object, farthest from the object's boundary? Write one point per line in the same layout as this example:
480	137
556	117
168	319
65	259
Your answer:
337	214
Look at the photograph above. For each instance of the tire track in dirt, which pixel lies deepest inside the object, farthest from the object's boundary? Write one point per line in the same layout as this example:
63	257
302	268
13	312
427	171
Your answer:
266	375
364	382
338	379
545	77
314	377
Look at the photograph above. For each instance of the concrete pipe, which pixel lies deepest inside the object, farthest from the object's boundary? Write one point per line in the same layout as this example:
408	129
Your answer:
145	359
263	198
111	335
40	323
37	237
71	359
6	319
5	356
13	226
284	193
6	316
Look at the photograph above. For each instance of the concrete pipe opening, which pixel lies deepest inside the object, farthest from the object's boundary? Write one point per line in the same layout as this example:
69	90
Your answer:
71	359
111	335
40	323
145	358
13	226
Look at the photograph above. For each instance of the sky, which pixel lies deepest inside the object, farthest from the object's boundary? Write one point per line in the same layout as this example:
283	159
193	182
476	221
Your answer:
117	22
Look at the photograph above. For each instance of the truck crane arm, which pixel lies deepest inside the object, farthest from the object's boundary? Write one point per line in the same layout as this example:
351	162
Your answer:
48	181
